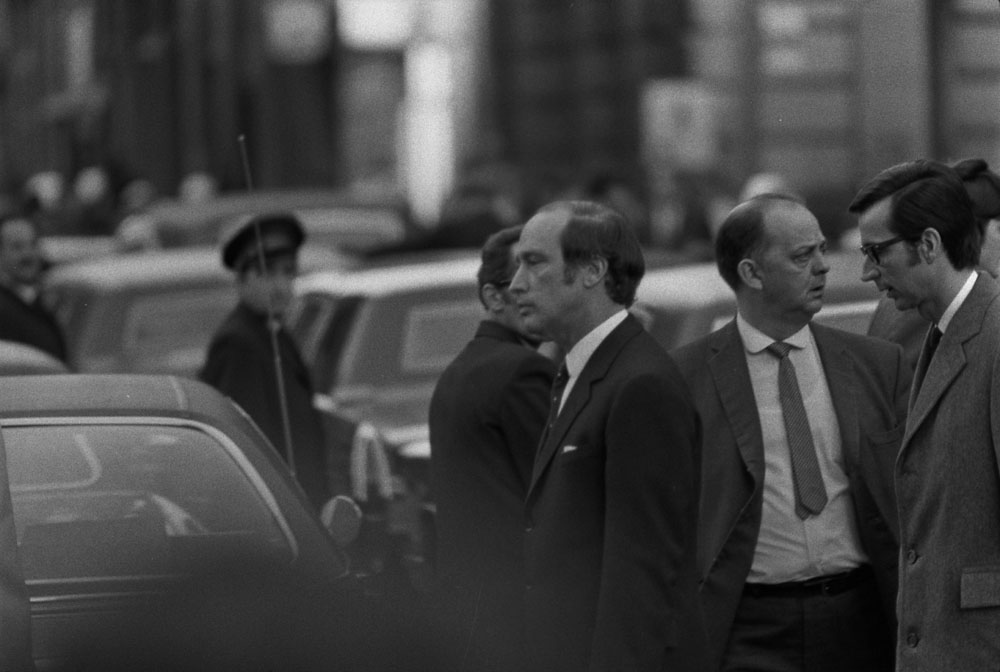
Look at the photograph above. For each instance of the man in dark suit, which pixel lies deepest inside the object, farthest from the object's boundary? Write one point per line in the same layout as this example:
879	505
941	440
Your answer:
798	540
612	508
486	416
22	316
241	357
922	247
907	327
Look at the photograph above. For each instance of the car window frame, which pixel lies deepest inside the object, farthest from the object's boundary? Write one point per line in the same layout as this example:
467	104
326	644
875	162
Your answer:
244	463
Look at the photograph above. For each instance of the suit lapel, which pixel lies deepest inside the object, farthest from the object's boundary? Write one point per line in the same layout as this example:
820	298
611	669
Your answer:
838	368
594	370
728	365
949	359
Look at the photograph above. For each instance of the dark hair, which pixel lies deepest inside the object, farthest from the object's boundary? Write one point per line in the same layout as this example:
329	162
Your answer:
497	267
926	194
597	230
742	233
983	187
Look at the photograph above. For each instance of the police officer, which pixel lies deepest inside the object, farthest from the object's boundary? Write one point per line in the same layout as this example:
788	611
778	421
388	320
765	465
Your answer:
262	252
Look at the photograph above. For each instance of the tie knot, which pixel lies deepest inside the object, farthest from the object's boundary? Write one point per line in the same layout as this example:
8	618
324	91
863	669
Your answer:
562	377
779	349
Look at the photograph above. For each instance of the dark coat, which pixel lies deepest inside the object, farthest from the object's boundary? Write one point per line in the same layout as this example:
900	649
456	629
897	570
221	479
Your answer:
240	364
486	417
30	323
948	483
612	514
869	383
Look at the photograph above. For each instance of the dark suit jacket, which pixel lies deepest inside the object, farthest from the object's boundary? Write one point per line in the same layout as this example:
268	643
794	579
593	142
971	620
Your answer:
948	482
869	383
240	364
486	416
31	324
612	514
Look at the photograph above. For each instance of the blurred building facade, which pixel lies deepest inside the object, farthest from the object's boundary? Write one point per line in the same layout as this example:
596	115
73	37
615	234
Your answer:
671	96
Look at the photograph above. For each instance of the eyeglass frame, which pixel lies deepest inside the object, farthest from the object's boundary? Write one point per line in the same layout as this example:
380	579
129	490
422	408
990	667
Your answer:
872	250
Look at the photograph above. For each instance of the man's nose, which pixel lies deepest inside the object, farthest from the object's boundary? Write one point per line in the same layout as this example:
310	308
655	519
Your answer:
517	282
869	270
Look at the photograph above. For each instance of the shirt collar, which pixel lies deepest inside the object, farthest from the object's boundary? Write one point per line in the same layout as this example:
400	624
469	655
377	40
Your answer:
755	340
580	354
957	302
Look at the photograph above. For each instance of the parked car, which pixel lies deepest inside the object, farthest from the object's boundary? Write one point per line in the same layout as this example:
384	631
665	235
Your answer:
681	303
339	219
150	312
20	359
376	341
158	529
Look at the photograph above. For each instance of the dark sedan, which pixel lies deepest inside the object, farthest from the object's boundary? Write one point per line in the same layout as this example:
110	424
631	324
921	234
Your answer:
156	527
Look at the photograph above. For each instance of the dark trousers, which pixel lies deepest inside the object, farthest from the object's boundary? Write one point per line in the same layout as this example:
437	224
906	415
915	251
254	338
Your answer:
810	630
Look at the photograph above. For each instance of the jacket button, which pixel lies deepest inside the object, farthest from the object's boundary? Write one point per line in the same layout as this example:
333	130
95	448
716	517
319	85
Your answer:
911	556
912	638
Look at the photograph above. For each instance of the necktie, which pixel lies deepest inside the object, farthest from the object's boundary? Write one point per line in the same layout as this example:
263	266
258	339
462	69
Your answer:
810	495
932	342
558	386
924	362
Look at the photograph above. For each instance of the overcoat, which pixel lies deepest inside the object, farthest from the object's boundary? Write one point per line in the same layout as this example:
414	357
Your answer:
241	364
948	486
869	383
31	324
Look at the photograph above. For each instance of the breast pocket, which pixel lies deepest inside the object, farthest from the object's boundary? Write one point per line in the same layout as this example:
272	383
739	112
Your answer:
980	587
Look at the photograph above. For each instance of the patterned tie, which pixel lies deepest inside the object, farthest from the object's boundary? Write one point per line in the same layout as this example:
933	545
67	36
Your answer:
558	387
810	495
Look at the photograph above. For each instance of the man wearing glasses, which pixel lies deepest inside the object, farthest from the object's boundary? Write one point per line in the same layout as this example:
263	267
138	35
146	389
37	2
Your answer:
907	327
922	247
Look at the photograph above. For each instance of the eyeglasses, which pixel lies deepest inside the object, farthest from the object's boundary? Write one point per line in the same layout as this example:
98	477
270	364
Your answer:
873	250
503	284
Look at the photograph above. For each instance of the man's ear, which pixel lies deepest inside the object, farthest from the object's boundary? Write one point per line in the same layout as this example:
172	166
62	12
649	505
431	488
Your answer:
930	246
594	271
492	297
749	273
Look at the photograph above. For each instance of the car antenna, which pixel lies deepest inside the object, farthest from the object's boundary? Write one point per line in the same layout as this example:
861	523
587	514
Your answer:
273	323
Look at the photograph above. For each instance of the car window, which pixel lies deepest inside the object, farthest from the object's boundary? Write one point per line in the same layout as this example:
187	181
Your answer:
102	500
434	333
321	326
169	332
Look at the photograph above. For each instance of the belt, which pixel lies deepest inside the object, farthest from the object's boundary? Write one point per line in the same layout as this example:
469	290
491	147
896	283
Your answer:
832	584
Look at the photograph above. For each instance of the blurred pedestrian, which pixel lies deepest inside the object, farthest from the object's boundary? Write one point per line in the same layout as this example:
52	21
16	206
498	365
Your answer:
23	317
262	252
486	417
907	327
612	507
797	531
922	246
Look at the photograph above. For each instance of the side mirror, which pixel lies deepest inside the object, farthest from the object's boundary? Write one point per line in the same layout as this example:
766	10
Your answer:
342	519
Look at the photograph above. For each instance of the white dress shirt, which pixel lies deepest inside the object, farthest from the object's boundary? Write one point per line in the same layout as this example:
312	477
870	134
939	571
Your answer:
580	354
788	547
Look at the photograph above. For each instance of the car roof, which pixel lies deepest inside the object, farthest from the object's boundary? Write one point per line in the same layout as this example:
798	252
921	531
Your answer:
111	395
156	267
384	217
393	279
